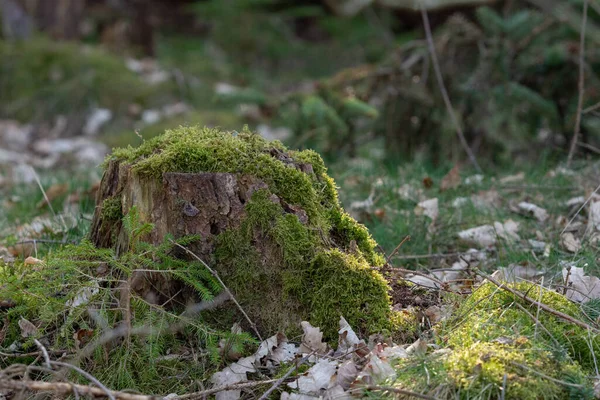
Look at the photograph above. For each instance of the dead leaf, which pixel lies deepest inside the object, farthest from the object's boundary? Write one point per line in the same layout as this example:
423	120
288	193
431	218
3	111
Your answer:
427	182
312	340
32	261
417	348
533	210
84	295
581	287
376	371
27	328
428	208
483	236
346	374
594	217
319	376
507	230
513	178
476	179
347	338
234	373
452	179
515	273
570	242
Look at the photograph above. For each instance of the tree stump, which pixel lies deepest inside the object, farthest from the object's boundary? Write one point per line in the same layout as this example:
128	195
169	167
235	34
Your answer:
267	219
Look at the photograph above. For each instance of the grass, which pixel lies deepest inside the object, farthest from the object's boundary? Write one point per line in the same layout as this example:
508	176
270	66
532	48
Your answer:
390	219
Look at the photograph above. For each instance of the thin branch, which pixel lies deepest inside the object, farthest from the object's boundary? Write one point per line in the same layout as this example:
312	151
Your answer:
44	353
580	84
398	391
235	386
440	80
435	255
541	305
87	375
538	323
68	388
266	394
214	273
393	253
542	375
579	210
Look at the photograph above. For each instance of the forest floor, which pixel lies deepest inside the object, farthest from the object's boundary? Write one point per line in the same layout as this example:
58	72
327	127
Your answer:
446	231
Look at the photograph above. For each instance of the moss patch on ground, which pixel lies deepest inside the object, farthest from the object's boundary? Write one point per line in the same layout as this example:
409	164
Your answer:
494	348
281	267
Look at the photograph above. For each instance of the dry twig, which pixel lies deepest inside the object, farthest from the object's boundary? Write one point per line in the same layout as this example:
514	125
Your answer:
580	84
541	305
440	80
214	273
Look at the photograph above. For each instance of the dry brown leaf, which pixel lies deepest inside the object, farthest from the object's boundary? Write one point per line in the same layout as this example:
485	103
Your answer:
581	287
452	179
32	261
594	217
513	178
427	182
312	340
570	242
428	208
28	329
531	209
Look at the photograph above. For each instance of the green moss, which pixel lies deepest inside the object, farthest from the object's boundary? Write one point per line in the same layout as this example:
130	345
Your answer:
112	209
281	269
494	314
345	229
496	350
345	285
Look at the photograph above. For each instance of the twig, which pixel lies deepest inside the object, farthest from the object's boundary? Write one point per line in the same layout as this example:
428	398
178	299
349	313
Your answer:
579	210
537	321
66	388
37	179
541	305
398	391
435	255
540	374
580	84
588	146
87	375
214	273
266	394
393	253
446	97
44	353
235	386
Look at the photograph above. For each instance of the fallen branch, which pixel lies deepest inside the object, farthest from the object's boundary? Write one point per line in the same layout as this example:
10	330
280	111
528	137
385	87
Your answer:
69	388
279	381
234	386
403	392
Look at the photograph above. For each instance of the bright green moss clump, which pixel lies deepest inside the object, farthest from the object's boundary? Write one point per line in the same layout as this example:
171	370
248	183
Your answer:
282	267
495	347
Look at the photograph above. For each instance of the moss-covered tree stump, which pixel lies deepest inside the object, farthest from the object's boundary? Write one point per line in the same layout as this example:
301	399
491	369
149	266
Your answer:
266	218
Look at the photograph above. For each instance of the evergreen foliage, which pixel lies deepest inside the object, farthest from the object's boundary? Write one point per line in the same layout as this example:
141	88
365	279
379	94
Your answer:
81	298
